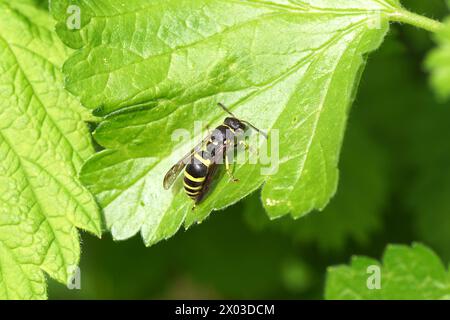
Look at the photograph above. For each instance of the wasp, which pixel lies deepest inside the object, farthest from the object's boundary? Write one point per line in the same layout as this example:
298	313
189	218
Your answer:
201	163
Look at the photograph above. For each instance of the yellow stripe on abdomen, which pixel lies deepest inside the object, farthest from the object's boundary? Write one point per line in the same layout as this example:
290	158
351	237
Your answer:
191	187
191	178
196	193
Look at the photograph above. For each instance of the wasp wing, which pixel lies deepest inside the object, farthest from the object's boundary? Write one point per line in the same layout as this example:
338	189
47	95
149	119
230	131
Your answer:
173	172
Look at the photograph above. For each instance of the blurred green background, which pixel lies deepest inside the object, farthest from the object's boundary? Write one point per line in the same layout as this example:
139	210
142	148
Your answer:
394	186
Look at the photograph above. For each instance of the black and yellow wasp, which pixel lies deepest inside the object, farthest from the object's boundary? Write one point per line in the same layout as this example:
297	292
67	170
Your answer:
201	162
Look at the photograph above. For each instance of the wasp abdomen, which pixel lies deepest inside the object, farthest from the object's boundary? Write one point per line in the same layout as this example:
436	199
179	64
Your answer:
195	176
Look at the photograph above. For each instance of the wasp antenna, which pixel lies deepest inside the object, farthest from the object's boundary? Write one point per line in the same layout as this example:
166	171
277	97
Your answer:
255	128
226	109
229	112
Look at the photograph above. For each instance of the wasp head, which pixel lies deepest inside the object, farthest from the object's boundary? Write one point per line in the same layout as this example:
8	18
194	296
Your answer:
235	124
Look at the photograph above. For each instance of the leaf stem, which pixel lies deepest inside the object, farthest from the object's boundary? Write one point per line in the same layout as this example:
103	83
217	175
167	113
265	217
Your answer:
417	20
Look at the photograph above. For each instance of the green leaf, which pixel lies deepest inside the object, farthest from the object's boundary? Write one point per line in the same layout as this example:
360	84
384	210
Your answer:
152	68
43	143
406	273
438	62
354	214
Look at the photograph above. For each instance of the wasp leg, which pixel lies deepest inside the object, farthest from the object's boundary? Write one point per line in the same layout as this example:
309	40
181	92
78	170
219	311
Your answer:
244	144
227	167
247	146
